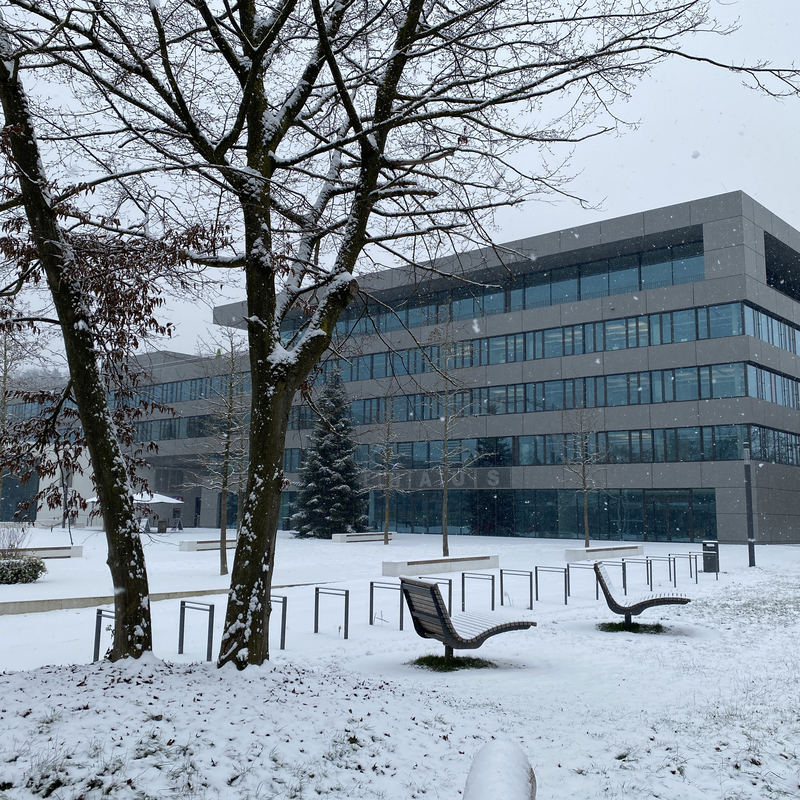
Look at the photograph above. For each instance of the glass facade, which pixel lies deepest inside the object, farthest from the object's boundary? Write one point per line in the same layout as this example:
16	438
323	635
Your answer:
655	515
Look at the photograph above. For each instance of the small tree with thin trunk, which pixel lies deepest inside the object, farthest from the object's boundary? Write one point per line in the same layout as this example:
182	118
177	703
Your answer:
448	394
385	456
223	455
584	459
330	498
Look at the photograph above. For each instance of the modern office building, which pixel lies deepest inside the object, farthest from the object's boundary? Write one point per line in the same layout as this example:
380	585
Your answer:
669	339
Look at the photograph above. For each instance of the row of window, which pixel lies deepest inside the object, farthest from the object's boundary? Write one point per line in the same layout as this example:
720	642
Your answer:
204	388
712	322
639	271
634	388
706	443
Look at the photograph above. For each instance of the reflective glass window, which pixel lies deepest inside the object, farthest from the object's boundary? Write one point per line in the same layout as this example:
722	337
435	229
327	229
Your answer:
728	444
655	329
497	350
463	308
553	343
647	445
493	302
689	444
644	331
725	320
616	390
727	380
537	292
623	275
687	262
686	387
527	450
683	326
577	340
616	337
564	288
618	447
554	448
497	400
553	395
656	269
702	323
594	280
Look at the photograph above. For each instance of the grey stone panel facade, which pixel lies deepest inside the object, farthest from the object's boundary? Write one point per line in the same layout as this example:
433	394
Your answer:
733	227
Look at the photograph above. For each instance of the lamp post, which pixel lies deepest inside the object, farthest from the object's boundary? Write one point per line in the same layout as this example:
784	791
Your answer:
748	490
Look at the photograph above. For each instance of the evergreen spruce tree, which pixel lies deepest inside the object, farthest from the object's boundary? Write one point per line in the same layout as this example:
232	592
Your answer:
330	499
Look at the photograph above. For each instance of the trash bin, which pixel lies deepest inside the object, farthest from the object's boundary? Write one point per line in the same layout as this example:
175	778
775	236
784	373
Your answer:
710	556
162	526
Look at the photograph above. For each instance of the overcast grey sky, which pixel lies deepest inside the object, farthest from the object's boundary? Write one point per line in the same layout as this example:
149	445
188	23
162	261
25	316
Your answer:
701	133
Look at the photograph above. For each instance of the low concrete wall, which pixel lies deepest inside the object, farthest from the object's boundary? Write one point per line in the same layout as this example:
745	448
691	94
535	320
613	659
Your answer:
73	551
599	553
371	536
205	544
394	569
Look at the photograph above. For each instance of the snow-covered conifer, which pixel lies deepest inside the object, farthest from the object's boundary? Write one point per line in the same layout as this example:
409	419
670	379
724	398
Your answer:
331	499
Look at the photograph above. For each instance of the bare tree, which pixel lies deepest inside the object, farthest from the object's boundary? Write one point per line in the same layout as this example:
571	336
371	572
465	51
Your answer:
224	455
584	458
104	304
448	394
384	454
321	135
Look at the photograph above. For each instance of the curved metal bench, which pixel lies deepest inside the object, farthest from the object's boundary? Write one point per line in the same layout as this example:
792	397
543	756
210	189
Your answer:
633	608
459	632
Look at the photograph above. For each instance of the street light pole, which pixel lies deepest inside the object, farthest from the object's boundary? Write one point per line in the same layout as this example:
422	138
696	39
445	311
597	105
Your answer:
748	489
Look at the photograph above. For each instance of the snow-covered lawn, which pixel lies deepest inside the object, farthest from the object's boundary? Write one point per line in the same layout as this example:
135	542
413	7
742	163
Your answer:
710	709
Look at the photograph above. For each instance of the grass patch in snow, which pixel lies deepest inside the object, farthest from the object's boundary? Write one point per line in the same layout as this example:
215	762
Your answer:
438	663
634	627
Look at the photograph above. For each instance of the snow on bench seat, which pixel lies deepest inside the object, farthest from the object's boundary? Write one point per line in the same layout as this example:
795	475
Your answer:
461	631
633	608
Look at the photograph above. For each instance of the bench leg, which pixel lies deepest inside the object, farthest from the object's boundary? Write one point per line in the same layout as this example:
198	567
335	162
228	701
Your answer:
628	620
448	654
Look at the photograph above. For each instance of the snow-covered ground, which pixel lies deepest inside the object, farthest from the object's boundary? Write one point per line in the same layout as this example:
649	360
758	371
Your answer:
709	709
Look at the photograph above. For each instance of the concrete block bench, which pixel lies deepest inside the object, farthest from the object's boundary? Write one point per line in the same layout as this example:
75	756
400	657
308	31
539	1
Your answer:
205	544
394	569
68	551
601	553
370	536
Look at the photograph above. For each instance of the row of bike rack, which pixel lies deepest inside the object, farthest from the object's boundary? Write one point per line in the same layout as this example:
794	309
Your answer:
532	576
208	608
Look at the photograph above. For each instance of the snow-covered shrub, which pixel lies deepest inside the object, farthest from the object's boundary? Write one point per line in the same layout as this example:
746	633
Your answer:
21	569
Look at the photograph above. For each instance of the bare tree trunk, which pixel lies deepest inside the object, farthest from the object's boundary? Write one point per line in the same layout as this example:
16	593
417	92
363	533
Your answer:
223	527
586	517
245	637
445	482
132	627
387	490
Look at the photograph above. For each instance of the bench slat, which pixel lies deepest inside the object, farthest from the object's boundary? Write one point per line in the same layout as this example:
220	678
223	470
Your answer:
462	631
633	607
